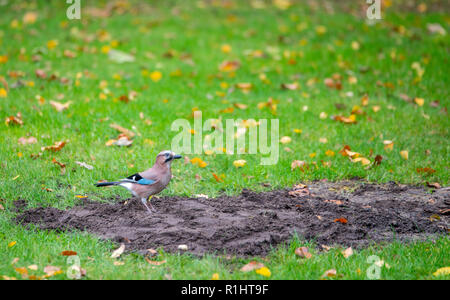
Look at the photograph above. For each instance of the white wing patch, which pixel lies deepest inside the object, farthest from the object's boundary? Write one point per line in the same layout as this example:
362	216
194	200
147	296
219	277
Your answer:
128	186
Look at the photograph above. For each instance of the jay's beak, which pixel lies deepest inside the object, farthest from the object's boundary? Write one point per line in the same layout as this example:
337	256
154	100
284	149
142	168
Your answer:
173	156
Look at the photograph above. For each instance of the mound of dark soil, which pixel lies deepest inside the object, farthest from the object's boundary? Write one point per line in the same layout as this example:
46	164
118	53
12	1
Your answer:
346	213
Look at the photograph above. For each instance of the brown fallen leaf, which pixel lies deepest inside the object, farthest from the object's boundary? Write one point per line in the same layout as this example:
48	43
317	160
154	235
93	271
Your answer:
154	262
329	273
435	185
229	66
426	170
341	220
298	164
299	190
62	166
14	120
68	253
303	252
57	146
123	130
40	74
253	265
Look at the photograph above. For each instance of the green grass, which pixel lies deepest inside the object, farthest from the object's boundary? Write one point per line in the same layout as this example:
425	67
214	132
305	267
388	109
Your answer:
388	48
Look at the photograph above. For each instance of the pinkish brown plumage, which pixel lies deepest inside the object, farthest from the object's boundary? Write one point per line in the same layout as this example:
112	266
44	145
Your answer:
150	182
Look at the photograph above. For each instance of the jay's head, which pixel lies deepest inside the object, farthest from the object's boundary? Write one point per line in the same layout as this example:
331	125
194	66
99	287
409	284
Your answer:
166	157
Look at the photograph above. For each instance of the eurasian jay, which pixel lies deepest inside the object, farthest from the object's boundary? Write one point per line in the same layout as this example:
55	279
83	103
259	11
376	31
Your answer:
150	182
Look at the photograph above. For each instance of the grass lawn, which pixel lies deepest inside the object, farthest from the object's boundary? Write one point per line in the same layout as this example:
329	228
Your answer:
331	59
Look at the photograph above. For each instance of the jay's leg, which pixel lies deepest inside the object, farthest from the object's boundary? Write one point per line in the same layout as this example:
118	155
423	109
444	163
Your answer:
151	206
144	201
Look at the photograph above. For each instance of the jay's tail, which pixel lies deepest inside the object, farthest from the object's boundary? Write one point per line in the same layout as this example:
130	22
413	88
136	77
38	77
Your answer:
106	183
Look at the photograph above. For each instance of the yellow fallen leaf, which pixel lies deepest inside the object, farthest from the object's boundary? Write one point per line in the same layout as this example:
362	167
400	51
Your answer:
364	161
239	163
226	48
11	244
264	271
156	76
52	44
3	93
404	154
442	271
329	153
215	276
419	101
388	145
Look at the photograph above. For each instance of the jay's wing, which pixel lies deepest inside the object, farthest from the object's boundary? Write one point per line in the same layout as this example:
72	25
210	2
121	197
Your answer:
137	178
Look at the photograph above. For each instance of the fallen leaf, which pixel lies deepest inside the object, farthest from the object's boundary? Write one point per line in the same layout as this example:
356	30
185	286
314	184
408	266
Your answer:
215	276
442	271
122	130
404	154
388	145
264	271
123	141
183	247
347	252
14	120
52	271
239	163
27	140
303	252
68	253
290	86
298	164
253	265
61	165
199	162
119	56
11	244
154	262
427	170
57	146
33	267
229	66
84	165
341	220
60	106
116	253
329	273
435	185
419	101
285	140
217	178
299	190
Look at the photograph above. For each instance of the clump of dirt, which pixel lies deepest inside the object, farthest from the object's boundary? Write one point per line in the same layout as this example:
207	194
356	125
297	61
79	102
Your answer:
347	213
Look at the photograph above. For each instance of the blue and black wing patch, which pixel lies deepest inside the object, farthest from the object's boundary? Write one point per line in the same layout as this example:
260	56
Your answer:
135	177
140	180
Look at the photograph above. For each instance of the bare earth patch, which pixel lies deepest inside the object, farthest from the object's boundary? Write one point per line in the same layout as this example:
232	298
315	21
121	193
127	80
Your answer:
252	223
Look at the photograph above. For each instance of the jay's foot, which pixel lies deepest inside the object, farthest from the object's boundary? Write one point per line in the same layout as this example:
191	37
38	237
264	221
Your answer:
144	201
